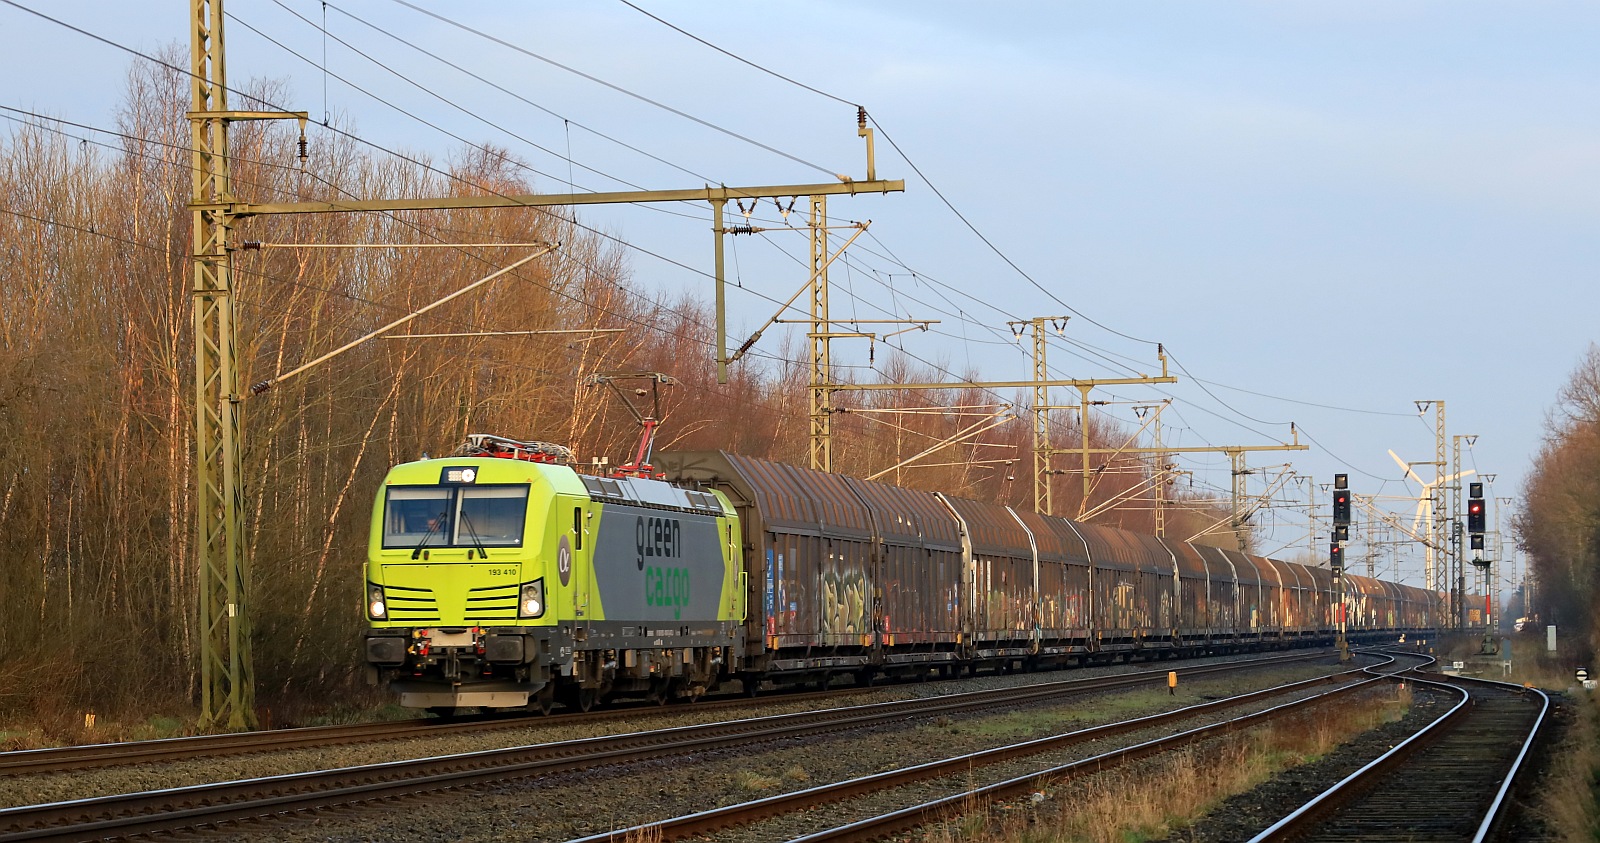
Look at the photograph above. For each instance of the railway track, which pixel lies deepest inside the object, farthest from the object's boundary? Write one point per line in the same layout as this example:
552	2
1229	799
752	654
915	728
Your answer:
1449	782
71	758
885	826
211	805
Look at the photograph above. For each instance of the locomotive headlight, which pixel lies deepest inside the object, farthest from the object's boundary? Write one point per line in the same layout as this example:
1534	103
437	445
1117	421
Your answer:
377	609
530	604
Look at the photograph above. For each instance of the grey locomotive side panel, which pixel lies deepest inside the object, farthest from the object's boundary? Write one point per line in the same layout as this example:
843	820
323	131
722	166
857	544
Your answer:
658	565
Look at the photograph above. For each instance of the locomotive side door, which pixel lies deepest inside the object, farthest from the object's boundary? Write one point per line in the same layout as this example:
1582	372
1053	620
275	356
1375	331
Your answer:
573	566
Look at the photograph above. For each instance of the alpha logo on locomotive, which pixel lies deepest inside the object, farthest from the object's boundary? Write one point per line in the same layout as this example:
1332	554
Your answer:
564	561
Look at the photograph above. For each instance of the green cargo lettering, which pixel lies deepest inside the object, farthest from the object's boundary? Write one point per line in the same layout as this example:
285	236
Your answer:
667	587
656	536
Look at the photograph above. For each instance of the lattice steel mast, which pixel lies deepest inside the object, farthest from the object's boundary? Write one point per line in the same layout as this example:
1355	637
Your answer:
226	676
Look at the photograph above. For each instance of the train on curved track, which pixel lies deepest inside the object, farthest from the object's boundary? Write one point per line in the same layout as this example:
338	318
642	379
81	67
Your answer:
503	577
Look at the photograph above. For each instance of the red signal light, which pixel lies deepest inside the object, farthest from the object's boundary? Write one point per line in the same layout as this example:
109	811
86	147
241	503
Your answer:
1476	519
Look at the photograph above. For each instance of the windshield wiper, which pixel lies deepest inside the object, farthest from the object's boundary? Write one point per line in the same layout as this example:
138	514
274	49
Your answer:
437	522
476	542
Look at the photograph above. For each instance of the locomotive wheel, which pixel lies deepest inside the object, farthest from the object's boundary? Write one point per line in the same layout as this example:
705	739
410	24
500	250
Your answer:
444	712
545	700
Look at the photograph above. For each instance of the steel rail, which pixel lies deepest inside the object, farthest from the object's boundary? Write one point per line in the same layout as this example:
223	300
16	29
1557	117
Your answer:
906	819
208	805
63	759
1349	790
746	813
1498	808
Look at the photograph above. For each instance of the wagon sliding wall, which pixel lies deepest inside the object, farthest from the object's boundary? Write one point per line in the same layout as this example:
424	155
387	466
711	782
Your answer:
853	576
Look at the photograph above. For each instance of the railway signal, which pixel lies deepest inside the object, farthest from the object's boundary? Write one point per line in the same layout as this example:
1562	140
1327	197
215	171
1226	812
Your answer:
1341	506
1476	514
1336	556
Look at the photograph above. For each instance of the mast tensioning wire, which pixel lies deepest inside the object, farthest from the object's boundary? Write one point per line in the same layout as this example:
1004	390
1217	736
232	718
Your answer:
269	383
108	42
508	333
142	139
694	119
251	245
508	92
738	58
187	72
618	88
342	133
875	124
992	247
385	66
241	269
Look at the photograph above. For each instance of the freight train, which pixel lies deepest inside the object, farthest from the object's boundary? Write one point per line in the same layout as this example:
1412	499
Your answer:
504	577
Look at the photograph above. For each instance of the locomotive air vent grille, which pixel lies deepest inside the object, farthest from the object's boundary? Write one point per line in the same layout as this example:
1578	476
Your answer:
411	604
492	603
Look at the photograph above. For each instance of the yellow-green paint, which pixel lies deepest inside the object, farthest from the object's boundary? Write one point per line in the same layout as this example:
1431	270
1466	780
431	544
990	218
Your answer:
559	508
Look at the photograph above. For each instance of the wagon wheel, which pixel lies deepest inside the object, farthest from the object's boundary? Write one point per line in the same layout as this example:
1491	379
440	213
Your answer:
545	700
587	698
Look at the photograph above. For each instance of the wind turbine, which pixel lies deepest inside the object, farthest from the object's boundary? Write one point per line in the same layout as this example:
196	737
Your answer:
1425	510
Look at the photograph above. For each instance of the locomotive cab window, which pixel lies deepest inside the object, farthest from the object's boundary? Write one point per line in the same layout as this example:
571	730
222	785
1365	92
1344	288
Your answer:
454	516
492	515
415	513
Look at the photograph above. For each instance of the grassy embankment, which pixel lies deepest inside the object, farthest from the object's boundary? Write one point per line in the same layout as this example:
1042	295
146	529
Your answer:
1147	801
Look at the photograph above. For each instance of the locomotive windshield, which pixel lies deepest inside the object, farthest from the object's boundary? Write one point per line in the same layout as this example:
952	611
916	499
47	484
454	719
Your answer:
454	516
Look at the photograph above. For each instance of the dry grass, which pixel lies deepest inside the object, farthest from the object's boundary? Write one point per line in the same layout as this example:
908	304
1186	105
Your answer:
648	834
753	782
63	727
1569	801
1147	800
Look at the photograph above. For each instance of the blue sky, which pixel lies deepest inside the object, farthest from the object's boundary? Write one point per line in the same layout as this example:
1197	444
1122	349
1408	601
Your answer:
1345	207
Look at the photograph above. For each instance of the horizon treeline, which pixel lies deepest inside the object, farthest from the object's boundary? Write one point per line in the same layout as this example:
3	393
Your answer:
97	387
1559	525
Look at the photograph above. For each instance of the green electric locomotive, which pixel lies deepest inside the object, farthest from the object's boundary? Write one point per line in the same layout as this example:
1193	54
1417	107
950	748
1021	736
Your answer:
501	577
